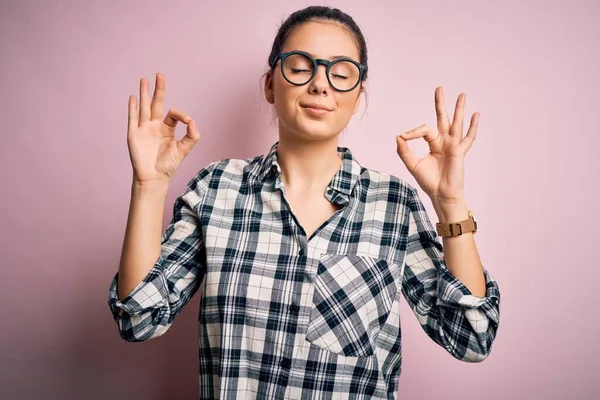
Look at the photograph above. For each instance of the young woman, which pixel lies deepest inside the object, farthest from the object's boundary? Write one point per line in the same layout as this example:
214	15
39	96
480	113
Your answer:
302	255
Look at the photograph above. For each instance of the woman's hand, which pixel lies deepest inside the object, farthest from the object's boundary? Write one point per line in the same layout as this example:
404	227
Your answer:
155	153
441	172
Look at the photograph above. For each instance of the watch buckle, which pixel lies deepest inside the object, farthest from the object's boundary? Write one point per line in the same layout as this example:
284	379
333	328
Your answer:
451	228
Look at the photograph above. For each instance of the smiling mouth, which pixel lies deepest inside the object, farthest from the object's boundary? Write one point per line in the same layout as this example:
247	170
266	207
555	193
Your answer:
315	107
315	111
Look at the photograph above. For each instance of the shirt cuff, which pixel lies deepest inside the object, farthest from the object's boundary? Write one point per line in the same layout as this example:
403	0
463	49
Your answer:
150	293
451	292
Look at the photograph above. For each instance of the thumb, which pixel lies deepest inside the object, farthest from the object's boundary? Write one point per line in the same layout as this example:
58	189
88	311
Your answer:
192	136
406	154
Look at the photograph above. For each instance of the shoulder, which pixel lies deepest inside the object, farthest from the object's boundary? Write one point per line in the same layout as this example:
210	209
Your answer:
228	171
226	174
385	186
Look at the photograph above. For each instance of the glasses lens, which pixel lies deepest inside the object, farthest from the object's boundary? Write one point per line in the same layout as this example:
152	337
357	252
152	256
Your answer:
298	69
344	75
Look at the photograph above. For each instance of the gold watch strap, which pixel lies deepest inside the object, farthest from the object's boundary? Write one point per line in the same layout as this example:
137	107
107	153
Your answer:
457	228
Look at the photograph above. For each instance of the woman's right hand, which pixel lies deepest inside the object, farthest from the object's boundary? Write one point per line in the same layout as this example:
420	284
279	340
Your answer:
155	153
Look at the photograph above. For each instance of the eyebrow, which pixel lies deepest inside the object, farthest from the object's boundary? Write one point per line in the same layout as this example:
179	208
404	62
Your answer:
332	58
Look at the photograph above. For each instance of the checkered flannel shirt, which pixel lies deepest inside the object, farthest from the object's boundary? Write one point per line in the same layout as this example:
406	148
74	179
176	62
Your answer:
286	316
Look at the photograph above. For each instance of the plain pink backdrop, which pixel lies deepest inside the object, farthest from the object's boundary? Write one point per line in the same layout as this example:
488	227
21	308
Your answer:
529	67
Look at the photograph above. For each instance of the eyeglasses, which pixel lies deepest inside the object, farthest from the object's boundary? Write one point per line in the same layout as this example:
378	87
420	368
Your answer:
298	68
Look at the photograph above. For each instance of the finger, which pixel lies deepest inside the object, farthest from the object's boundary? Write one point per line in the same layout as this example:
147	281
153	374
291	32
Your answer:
144	102
156	108
132	114
457	124
423	131
191	137
174	116
407	156
471	135
443	122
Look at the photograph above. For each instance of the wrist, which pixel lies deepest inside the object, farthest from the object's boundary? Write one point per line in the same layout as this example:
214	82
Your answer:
451	212
151	188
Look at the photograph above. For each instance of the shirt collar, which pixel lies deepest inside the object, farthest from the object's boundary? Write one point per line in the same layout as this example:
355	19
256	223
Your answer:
339	188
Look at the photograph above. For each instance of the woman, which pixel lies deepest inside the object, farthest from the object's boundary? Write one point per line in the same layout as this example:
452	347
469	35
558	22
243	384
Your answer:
302	254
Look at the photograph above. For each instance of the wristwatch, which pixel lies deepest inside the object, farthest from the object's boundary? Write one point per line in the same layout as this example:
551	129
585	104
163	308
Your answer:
457	228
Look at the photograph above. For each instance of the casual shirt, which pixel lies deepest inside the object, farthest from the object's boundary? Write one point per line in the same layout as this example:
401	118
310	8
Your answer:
287	316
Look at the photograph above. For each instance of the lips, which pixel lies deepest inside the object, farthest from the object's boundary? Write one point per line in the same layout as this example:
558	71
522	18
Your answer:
316	106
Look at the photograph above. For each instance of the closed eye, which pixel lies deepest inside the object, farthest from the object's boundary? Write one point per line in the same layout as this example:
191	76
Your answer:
339	76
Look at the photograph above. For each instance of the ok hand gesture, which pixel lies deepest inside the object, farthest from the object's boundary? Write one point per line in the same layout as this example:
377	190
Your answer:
441	172
155	153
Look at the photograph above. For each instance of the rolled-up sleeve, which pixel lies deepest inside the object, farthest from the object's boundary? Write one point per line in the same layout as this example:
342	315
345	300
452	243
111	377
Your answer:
464	324
149	310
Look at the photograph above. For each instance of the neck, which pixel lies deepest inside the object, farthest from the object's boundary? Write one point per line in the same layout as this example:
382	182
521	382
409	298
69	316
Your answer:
308	165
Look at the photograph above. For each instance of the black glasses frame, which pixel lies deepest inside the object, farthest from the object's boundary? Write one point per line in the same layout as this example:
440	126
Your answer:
316	62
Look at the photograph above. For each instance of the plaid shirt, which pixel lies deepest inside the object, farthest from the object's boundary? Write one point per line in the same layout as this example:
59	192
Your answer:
286	316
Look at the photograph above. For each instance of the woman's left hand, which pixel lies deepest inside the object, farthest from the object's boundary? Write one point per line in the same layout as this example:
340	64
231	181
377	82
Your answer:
441	172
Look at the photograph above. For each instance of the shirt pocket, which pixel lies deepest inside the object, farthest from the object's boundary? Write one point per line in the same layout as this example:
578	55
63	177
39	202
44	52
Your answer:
353	297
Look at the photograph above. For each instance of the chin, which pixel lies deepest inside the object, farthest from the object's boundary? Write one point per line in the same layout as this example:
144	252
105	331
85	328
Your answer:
308	129
315	130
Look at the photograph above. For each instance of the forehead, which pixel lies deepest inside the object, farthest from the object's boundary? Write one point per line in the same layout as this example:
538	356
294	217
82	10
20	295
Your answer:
323	40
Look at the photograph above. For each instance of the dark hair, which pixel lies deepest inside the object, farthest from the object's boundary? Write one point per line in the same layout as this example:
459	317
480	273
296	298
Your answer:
318	13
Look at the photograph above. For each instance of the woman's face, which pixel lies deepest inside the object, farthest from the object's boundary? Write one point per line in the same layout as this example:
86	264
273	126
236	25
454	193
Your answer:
321	40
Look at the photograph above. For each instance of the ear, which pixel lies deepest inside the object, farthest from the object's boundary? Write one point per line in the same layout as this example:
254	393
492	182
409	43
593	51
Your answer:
268	88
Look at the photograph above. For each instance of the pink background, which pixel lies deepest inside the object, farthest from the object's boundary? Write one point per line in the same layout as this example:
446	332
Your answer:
529	67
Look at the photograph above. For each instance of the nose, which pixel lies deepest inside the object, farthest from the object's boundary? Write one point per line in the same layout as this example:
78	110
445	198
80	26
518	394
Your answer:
319	83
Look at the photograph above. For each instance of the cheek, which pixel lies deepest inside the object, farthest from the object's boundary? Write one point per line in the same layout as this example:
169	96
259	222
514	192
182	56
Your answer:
346	104
286	97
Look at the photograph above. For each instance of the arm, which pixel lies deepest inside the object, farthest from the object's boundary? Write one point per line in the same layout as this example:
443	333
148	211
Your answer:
162	277
463	323
460	252
142	243
455	299
156	277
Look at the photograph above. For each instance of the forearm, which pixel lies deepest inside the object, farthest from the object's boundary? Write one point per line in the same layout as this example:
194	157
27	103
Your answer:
142	242
460	252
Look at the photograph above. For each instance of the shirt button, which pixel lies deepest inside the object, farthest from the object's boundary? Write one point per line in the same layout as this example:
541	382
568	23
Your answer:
301	252
293	307
286	363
